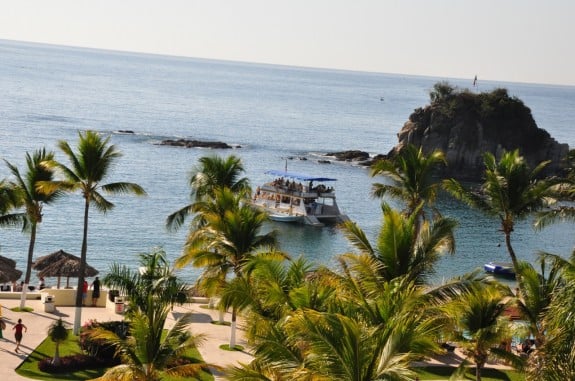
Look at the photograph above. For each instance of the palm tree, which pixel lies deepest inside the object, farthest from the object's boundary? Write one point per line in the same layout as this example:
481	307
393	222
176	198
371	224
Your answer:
566	192
152	290
511	191
555	359
58	333
274	289
403	248
227	240
412	175
152	286
25	193
147	353
90	166
536	292
479	325
211	173
346	343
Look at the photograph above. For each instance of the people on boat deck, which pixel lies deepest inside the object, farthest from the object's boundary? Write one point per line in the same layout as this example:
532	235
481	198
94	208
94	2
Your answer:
290	185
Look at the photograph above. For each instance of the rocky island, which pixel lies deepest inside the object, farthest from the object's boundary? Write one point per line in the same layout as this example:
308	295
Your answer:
465	125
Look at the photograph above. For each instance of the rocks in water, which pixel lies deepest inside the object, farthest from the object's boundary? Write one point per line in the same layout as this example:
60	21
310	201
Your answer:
465	125
196	144
352	155
126	132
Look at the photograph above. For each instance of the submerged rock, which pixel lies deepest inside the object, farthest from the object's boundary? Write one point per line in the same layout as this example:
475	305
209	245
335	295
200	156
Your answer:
195	144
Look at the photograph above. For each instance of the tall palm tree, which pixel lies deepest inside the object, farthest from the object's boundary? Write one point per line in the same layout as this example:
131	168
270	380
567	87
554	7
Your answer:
58	333
227	240
89	167
479	325
412	177
401	249
511	191
25	193
211	173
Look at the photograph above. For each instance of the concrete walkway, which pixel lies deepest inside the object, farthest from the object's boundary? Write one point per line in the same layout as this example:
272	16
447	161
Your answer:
39	321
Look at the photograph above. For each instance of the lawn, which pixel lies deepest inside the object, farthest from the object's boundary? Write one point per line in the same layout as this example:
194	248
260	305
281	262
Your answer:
444	372
29	368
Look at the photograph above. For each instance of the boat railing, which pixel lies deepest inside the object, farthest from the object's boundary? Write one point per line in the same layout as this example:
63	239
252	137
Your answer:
305	193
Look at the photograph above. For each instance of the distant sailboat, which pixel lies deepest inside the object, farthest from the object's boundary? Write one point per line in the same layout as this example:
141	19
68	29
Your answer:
475	81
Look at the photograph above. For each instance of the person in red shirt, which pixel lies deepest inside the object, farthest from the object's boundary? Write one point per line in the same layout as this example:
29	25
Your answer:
18	333
84	292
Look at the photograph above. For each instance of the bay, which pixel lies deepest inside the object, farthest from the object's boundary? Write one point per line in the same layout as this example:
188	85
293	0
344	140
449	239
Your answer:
49	93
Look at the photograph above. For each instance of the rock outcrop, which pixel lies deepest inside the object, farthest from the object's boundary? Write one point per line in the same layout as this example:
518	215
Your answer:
465	125
352	155
195	143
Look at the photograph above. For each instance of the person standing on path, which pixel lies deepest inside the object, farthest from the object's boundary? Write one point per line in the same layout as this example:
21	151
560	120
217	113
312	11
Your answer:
95	291
84	293
18	334
2	326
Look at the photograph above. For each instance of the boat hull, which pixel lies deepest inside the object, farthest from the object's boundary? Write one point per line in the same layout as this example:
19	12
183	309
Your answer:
500	268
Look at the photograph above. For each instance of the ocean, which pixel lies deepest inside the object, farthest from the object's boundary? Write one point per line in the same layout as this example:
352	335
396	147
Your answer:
271	113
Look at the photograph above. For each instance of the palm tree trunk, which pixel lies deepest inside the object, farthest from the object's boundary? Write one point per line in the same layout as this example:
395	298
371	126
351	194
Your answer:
78	315
512	253
233	326
56	358
28	266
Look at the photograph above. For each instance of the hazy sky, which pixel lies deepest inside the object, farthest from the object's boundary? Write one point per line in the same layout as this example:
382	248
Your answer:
506	40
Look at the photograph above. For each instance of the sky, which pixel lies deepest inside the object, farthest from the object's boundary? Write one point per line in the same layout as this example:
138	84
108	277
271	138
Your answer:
503	40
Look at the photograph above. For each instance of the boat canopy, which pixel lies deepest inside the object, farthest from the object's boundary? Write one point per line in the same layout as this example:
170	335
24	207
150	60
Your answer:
297	176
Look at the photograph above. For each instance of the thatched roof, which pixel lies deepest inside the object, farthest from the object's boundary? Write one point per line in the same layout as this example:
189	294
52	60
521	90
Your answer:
48	260
9	274
7	262
68	267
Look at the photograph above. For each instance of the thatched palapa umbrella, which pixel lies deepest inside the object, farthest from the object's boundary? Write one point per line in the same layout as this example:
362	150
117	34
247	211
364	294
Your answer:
68	267
59	264
9	274
47	260
8	271
7	262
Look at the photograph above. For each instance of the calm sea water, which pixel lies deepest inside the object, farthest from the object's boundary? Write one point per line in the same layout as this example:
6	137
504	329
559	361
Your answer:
49	93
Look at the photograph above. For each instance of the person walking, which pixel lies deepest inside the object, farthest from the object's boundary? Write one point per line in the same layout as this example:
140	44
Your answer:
18	333
2	327
95	291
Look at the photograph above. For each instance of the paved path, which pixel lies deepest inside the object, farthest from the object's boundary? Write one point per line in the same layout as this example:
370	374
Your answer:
39	321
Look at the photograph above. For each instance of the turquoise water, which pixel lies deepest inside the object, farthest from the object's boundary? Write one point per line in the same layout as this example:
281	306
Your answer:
49	93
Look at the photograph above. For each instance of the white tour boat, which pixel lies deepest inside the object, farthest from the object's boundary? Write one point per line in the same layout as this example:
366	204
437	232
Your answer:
294	197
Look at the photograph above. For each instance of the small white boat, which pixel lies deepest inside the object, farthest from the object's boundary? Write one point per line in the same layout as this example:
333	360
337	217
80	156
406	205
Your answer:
295	197
500	268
